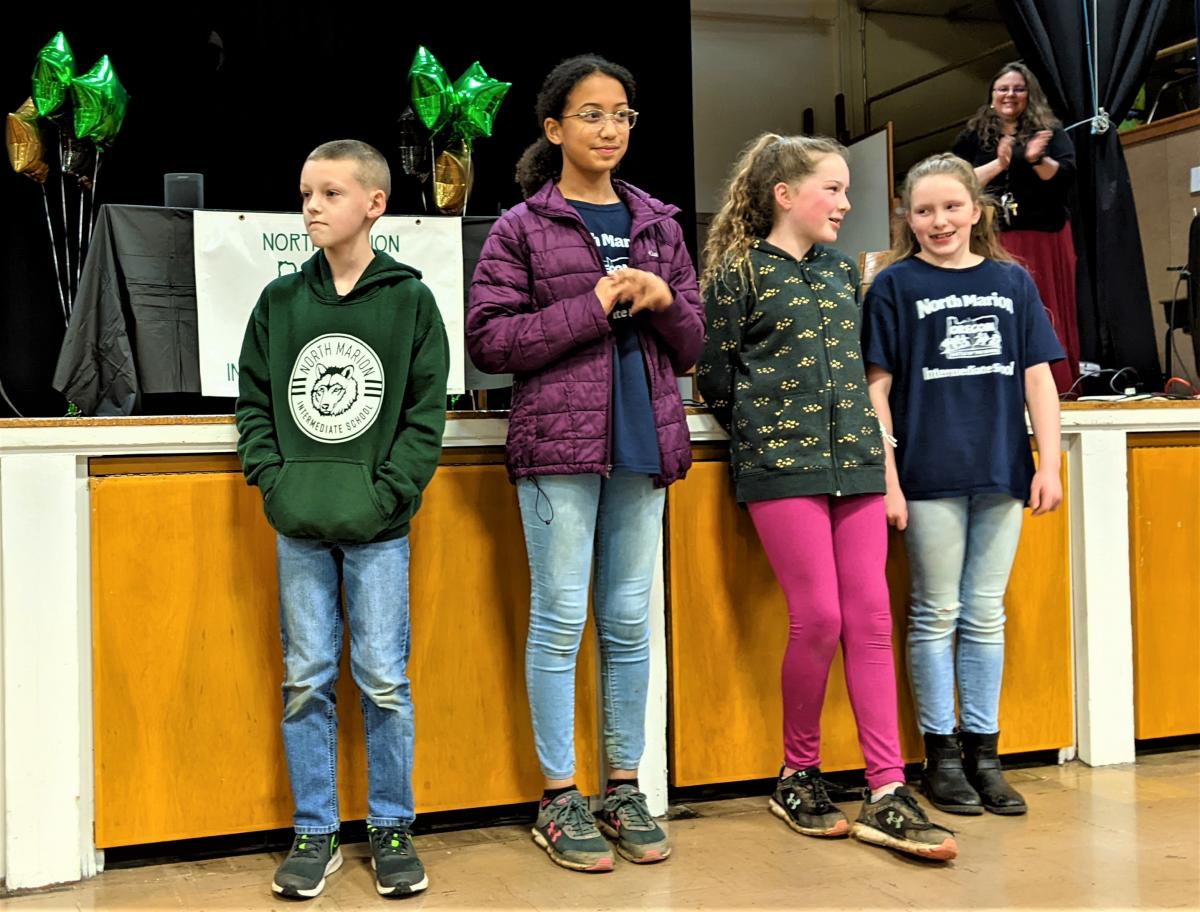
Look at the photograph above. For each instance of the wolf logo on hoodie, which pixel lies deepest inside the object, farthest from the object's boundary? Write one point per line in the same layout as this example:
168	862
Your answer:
336	388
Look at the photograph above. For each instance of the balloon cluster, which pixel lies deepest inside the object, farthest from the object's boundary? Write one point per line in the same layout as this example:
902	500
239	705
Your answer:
82	115
457	113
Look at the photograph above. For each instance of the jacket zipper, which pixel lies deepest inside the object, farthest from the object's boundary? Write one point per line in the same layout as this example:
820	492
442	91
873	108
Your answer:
608	434
608	349
831	391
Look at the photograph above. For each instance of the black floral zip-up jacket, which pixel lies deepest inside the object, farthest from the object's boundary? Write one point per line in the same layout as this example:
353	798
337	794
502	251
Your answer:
783	372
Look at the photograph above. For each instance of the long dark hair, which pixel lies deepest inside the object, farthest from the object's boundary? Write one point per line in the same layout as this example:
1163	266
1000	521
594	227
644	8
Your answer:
1037	115
542	161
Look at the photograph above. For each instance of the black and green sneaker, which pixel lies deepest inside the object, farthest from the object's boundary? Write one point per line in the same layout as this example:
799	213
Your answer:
398	870
626	819
802	802
897	822
313	858
566	829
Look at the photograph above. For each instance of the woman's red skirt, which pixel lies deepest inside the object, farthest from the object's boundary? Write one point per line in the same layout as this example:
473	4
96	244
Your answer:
1050	258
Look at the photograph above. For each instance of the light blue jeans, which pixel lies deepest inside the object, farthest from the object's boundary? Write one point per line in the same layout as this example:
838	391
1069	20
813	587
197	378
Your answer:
310	620
566	517
960	551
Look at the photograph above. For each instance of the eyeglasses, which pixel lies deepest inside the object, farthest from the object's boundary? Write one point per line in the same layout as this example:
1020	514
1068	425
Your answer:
596	119
1011	90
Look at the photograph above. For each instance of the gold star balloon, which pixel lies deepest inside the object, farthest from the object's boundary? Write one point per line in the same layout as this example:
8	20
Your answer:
24	142
452	178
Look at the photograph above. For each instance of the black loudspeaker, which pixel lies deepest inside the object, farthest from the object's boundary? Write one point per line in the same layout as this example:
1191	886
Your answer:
183	191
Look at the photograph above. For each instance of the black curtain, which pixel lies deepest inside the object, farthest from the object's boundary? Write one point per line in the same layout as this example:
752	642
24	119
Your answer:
1116	326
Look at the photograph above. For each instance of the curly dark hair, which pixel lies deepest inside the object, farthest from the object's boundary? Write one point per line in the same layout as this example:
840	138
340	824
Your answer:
542	161
1037	115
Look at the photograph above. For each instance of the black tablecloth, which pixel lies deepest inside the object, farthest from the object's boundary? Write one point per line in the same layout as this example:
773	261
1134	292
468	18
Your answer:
133	328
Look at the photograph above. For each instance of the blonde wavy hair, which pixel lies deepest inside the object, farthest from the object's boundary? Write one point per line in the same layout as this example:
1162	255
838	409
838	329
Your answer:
985	240
748	208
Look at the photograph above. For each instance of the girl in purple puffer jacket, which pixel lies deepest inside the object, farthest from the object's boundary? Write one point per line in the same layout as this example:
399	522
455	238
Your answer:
587	294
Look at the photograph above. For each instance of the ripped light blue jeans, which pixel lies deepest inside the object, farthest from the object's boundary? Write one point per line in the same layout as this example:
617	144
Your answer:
567	518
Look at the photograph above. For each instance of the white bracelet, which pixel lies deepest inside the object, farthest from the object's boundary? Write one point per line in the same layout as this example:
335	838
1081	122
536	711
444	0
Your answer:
888	437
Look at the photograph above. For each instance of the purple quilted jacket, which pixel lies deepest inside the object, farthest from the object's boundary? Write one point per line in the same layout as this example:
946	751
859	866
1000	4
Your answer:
534	312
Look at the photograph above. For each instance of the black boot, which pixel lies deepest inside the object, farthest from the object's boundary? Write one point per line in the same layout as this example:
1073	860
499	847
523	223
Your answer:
943	780
981	761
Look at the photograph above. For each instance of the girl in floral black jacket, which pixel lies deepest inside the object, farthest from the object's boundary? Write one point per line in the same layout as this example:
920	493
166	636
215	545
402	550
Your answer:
783	370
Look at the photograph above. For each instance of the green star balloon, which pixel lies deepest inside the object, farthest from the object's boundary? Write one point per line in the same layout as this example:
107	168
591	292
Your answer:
432	94
52	75
100	103
479	97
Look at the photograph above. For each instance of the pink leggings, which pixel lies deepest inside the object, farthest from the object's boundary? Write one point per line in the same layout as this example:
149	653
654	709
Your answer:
828	554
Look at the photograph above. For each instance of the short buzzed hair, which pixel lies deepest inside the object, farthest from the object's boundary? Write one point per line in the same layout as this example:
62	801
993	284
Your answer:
371	168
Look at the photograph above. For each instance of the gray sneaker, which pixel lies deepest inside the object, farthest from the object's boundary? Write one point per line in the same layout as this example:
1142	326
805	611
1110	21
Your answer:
313	858
394	859
801	801
567	831
897	822
626	819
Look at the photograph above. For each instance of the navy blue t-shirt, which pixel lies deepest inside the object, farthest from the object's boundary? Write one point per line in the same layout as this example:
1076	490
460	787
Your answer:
957	343
635	441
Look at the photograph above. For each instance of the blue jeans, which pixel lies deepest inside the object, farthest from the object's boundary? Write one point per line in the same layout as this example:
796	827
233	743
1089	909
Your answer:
565	518
310	621
961	552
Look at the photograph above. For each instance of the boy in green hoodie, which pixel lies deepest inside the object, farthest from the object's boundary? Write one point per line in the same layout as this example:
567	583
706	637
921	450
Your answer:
340	414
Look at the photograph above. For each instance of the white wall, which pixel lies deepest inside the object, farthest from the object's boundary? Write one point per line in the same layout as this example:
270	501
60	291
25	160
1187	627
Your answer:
754	70
897	48
757	64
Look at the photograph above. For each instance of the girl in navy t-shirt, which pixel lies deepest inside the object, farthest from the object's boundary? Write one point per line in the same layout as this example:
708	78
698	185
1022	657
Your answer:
958	344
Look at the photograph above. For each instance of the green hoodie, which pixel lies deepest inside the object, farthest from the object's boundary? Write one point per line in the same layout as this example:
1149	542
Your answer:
782	370
342	401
